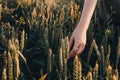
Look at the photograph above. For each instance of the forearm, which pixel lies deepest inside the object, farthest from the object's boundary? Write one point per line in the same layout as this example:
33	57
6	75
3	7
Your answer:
88	9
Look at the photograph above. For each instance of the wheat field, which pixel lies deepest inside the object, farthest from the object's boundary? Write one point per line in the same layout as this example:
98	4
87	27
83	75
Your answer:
34	38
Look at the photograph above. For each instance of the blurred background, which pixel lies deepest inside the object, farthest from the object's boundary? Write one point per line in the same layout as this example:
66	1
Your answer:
34	37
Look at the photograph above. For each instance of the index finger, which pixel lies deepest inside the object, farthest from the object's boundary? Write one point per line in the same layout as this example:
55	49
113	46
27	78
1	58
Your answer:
72	53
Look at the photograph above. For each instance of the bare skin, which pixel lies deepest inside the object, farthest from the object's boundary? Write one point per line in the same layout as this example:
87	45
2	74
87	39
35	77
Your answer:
78	39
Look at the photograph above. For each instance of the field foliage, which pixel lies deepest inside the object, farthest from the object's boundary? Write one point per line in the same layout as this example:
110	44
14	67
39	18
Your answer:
34	42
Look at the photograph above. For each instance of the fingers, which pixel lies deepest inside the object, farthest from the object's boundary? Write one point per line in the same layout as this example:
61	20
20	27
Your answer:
71	54
81	48
77	49
73	51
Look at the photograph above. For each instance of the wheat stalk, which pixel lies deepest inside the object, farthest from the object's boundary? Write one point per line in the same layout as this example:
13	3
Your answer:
65	69
90	50
75	68
109	73
16	65
66	46
118	53
107	57
49	65
102	55
22	40
115	75
4	73
89	75
100	59
60	61
65	49
10	67
95	73
79	70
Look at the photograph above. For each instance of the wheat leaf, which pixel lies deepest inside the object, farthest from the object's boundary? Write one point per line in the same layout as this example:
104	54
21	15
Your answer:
43	77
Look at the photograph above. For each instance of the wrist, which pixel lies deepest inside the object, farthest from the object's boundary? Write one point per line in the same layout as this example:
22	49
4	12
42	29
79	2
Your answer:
82	28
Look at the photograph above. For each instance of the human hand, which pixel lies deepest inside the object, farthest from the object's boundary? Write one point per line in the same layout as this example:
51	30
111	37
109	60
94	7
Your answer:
78	39
77	42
